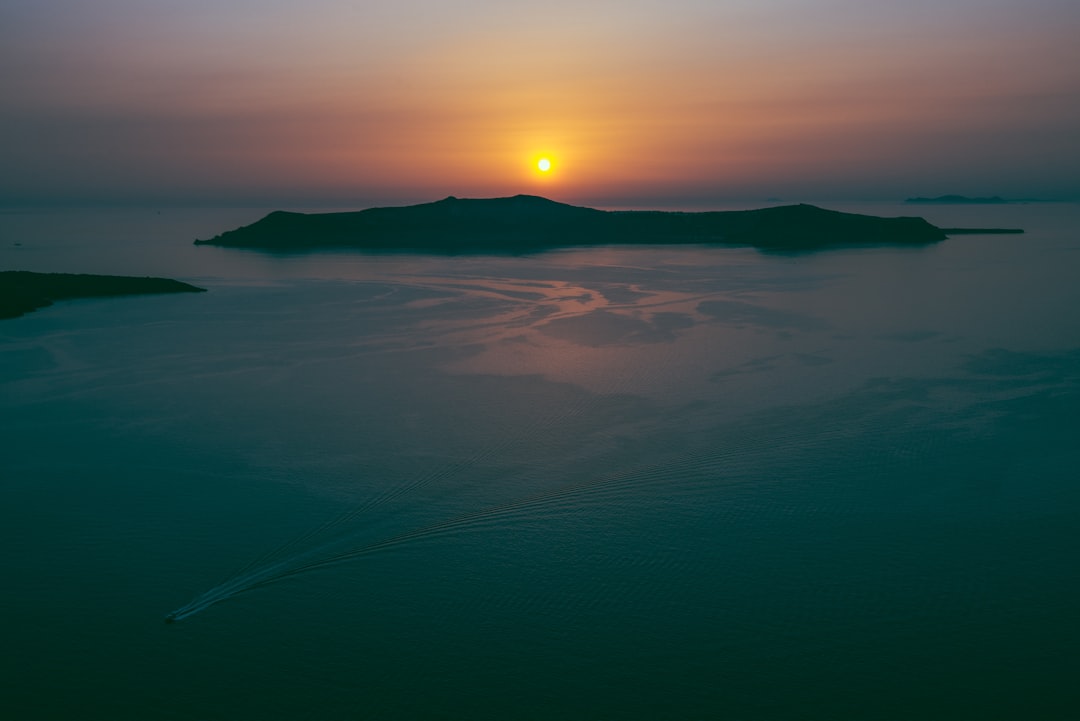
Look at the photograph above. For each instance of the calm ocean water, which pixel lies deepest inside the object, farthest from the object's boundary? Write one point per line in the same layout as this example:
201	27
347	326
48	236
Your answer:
607	483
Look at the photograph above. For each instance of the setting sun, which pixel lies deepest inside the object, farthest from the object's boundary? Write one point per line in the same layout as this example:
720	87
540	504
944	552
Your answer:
543	165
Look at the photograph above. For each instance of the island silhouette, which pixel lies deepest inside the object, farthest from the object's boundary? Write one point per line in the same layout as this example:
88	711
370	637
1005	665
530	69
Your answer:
527	223
22	291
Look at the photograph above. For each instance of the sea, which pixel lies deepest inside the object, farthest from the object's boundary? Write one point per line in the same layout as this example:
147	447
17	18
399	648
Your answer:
650	482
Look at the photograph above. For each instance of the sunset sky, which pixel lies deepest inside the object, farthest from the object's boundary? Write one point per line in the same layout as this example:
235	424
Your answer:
636	102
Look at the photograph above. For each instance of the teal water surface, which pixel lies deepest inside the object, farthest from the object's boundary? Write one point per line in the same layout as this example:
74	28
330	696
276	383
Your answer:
608	483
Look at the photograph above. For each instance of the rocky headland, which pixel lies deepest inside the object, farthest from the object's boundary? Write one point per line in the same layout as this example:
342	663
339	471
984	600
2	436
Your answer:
23	291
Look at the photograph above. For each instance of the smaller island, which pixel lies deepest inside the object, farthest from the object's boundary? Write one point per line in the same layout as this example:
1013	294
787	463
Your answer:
958	200
23	291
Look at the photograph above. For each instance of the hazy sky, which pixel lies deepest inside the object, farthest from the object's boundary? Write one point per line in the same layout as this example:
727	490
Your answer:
635	101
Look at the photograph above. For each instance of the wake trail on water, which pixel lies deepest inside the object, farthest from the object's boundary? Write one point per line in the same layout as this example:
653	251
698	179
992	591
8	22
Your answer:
324	541
570	497
729	461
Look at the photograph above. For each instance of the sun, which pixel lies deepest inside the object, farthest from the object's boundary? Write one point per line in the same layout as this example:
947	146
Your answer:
544	166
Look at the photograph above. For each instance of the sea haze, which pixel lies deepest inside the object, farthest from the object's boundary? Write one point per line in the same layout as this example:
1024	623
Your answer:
632	483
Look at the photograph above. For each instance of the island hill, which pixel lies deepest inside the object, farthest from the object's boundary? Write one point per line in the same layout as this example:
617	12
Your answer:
526	223
22	291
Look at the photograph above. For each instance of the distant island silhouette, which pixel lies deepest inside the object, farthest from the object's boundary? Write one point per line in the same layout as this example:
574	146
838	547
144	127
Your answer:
526	223
959	200
22	291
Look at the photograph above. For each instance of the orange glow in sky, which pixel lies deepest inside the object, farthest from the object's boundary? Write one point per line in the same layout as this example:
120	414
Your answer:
632	103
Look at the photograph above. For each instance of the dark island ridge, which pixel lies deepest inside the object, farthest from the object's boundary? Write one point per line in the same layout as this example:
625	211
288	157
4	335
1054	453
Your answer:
525	223
22	291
